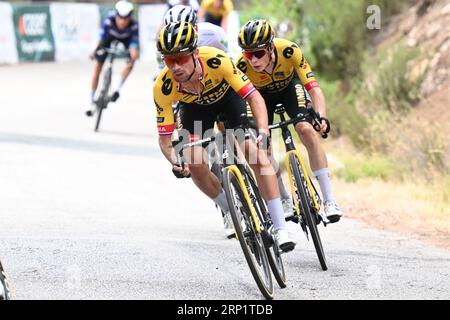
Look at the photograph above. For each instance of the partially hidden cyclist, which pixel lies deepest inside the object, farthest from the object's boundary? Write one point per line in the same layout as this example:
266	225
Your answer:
190	3
216	12
118	26
280	72
205	82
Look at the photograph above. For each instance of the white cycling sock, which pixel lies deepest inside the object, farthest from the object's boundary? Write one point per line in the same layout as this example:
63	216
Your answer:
221	201
276	213
284	194
323	177
121	83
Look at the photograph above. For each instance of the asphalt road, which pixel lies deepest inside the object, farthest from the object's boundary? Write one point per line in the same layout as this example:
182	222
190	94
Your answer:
87	215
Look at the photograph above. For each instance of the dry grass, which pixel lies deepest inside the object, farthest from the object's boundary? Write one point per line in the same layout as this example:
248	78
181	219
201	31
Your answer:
410	208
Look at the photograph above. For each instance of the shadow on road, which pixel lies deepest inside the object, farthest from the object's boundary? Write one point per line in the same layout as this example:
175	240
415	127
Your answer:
82	145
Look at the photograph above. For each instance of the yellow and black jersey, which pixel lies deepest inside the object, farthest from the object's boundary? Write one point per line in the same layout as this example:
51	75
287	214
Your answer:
218	74
288	57
215	12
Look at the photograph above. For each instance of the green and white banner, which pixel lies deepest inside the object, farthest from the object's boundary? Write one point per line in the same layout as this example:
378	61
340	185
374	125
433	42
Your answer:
8	49
70	31
33	33
75	30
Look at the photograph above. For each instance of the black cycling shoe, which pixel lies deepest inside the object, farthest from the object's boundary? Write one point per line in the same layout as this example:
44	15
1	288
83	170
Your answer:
115	96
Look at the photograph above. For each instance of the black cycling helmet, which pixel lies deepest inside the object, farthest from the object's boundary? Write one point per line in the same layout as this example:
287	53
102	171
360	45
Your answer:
177	37
256	34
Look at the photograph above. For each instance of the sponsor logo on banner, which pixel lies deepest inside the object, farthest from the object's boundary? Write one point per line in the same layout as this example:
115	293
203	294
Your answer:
31	47
33	24
34	36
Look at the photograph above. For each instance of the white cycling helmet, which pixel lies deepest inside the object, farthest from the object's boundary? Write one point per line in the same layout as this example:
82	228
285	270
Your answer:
180	13
124	9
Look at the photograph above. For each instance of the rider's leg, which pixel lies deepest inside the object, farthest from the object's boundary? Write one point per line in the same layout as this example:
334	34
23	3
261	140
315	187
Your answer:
258	160
267	184
94	84
95	77
319	165
271	102
196	124
203	178
283	192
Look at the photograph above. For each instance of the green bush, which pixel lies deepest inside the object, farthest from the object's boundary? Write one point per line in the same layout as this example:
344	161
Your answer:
361	166
396	88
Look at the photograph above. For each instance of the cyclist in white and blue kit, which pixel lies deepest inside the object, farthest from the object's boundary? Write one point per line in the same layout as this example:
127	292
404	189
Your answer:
122	27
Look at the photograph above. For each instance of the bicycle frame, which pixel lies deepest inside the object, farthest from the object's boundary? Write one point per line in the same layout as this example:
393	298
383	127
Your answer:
290	149
235	169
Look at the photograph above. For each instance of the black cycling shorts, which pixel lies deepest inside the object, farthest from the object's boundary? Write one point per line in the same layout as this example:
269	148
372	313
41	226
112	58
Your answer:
197	119
293	97
209	18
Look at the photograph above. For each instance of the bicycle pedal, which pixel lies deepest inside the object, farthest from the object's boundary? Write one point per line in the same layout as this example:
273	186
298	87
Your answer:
290	218
294	219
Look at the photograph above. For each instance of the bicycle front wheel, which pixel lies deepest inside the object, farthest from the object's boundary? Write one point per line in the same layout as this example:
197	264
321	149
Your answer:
99	117
273	250
250	240
104	97
307	211
4	288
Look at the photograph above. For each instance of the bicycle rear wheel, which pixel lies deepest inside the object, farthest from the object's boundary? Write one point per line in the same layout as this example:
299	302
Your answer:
303	197
250	240
4	287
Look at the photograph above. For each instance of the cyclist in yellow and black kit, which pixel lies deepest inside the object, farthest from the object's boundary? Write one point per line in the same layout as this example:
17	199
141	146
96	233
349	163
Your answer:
216	12
206	82
280	72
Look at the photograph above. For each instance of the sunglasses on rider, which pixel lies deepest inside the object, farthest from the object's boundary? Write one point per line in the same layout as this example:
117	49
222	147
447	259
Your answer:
171	60
258	54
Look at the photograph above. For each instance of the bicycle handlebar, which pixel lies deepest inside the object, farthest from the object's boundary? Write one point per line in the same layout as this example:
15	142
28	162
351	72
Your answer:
316	118
113	51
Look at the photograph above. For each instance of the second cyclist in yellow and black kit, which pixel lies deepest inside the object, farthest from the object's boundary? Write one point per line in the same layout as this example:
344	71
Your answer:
205	82
281	73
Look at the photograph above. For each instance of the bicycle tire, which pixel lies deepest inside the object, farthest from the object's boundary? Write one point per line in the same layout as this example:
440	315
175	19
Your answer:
103	99
263	281
304	204
99	117
273	252
5	293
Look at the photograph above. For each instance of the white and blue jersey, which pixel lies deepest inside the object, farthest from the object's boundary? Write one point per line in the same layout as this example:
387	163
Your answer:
128	36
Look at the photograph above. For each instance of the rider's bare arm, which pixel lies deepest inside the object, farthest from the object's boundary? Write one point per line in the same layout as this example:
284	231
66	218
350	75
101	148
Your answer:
318	99
258	106
165	144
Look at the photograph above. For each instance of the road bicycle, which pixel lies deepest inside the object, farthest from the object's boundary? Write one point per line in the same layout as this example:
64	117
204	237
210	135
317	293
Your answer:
251	220
104	97
305	197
